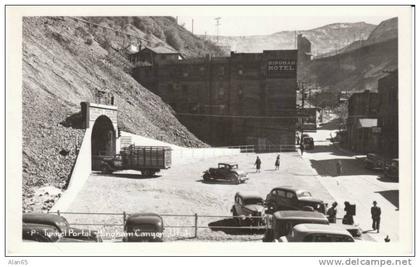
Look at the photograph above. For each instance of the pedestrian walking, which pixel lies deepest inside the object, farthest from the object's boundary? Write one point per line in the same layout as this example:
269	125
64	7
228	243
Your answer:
277	163
302	148
376	216
348	217
339	167
258	164
332	213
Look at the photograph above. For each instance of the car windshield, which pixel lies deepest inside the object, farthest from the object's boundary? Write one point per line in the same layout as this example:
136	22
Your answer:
253	201
303	194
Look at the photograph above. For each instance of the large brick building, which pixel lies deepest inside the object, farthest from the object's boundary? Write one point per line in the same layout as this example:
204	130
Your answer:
372	123
388	114
247	98
362	122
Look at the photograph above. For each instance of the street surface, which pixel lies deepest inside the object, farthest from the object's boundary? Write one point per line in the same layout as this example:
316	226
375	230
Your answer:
181	191
356	184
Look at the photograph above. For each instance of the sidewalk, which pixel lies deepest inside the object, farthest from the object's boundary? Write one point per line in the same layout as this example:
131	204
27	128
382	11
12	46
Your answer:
356	185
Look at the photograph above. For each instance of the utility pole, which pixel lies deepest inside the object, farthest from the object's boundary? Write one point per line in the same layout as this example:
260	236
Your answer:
217	28
192	26
302	88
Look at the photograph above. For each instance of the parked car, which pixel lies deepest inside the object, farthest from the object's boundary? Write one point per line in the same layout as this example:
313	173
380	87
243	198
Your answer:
225	172
391	169
287	198
143	227
281	222
61	225
313	232
248	204
374	162
308	143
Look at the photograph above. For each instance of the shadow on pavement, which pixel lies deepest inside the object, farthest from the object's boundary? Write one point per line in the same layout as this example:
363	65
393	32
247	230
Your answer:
331	125
350	167
329	148
392	196
217	182
129	176
231	222
386	180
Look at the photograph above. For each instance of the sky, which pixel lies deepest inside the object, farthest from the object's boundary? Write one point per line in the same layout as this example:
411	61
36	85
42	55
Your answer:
258	25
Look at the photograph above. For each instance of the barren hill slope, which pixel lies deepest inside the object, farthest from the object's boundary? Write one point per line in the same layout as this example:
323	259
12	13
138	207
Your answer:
324	39
358	67
64	62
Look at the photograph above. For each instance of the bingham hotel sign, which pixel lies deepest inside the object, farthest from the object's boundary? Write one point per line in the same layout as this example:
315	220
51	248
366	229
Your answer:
281	68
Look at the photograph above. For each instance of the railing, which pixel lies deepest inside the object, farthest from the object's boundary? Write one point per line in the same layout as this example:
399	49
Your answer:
226	224
264	148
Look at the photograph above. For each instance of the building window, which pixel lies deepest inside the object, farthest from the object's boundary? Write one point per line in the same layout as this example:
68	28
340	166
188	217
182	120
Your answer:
222	70
221	91
185	90
202	68
240	92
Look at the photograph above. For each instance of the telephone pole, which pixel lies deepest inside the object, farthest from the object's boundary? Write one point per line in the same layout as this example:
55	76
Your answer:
192	26
217	28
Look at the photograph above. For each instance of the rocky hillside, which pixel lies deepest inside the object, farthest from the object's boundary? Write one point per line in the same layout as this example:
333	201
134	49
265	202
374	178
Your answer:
358	68
324	39
385	31
162	31
64	62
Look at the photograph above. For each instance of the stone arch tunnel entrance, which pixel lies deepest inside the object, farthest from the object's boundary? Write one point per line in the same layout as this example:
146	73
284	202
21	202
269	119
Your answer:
103	141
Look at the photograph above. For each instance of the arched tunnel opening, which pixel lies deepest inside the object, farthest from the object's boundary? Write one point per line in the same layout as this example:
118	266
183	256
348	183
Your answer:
103	141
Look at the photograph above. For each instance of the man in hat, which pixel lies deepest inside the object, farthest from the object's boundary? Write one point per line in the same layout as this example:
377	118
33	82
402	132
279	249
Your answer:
376	216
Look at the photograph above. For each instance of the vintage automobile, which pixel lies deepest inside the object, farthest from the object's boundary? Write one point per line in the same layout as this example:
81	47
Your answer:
62	226
281	222
143	227
308	143
313	232
391	169
247	205
225	172
287	198
374	162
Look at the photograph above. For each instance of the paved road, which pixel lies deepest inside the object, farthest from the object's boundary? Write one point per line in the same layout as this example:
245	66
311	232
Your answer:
356	185
180	190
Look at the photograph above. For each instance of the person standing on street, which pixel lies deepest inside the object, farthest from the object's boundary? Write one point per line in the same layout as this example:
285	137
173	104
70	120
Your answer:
277	163
339	167
376	216
258	164
348	217
332	213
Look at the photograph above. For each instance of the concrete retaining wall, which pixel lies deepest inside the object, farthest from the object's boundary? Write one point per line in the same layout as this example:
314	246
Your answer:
182	155
81	172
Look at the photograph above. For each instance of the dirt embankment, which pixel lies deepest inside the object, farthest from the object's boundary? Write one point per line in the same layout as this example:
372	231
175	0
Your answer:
64	63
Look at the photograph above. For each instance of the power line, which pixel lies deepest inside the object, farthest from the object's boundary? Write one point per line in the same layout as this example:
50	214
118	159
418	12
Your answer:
217	28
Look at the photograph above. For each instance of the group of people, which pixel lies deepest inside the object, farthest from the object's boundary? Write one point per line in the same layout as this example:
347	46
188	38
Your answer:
351	211
257	163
